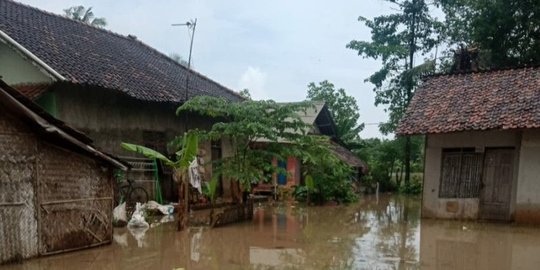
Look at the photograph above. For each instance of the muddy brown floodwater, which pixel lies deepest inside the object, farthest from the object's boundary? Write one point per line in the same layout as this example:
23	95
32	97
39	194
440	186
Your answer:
384	233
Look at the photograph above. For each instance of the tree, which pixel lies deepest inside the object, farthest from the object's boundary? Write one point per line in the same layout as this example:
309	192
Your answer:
396	39
245	93
261	131
85	15
344	110
179	59
502	33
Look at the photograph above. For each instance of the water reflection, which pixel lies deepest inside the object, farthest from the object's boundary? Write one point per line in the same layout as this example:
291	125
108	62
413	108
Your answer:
374	234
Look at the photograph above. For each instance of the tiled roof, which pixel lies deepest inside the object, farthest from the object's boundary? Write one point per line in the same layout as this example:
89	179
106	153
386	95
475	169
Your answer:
502	99
349	157
89	55
32	90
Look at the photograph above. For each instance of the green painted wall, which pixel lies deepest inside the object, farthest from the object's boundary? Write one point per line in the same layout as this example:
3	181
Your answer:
48	102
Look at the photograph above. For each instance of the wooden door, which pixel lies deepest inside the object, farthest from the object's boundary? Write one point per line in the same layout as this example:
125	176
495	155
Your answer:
497	184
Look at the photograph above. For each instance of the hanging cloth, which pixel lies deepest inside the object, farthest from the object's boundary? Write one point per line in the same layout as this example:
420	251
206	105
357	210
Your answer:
194	176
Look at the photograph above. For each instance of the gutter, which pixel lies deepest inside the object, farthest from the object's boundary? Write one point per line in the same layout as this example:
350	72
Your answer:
32	56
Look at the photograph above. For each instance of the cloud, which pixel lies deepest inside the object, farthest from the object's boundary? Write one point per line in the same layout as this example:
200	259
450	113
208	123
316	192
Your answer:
254	79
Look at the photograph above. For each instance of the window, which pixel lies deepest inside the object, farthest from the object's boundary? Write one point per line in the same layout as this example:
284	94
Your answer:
461	173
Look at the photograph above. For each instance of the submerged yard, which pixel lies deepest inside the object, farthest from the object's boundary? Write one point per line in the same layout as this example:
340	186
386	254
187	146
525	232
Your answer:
375	233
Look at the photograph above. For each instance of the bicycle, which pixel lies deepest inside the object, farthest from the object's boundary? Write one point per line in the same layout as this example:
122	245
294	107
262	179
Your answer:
132	194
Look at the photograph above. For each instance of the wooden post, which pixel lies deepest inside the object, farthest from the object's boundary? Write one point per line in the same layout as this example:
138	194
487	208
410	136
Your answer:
181	196
186	195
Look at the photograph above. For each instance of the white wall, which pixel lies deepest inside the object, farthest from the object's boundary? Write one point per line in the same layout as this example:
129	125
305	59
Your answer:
528	191
15	69
432	205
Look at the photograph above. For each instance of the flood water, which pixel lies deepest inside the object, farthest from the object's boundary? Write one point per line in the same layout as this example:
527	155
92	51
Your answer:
383	233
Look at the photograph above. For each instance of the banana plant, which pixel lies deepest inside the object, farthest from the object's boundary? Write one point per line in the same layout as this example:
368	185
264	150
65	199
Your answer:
187	153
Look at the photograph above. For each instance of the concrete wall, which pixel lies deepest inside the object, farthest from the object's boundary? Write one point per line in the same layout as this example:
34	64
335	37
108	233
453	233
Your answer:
15	68
436	207
527	208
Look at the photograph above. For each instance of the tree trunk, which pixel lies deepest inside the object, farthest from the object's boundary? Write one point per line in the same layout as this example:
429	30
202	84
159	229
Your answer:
410	86
407	161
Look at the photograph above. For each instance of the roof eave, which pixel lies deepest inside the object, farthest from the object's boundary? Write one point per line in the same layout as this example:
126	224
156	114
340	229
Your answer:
48	70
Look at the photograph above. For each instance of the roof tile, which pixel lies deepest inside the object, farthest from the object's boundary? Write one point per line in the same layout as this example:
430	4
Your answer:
94	56
502	99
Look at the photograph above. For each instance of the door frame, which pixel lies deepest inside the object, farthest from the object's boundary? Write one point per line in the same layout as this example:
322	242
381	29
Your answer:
512	184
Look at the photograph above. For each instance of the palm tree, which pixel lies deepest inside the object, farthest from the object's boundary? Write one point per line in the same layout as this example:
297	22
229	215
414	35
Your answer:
85	15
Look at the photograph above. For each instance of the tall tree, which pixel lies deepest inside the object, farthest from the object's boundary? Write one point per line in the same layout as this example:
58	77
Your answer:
396	39
503	33
85	15
344	110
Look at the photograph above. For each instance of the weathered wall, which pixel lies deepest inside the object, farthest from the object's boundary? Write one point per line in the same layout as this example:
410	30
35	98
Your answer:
527	208
110	117
436	207
18	222
75	196
17	69
51	199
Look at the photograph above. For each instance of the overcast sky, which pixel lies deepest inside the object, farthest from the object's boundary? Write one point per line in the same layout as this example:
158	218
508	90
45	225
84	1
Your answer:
274	48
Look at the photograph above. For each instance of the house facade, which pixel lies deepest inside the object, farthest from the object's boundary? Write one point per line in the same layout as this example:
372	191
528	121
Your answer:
482	150
320	119
56	188
115	88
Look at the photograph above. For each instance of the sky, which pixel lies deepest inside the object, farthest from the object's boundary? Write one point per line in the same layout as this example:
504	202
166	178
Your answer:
273	48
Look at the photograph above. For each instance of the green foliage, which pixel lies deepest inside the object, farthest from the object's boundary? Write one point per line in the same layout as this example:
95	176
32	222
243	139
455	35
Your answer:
147	152
344	110
414	188
185	155
395	39
245	93
505	33
85	15
244	124
261	131
209	189
386	161
327	177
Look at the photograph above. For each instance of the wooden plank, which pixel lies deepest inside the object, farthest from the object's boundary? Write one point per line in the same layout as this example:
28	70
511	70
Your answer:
497	184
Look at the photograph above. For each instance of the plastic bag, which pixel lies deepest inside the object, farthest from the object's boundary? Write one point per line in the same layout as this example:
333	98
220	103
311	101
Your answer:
137	219
164	209
119	214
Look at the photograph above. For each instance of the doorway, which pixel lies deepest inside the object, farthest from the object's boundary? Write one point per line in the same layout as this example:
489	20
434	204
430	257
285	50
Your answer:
497	185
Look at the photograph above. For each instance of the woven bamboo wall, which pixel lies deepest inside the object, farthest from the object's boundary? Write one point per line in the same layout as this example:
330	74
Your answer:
75	195
51	200
18	223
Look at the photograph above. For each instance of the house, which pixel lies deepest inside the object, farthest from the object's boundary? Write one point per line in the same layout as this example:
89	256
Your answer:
320	119
112	87
482	153
56	188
